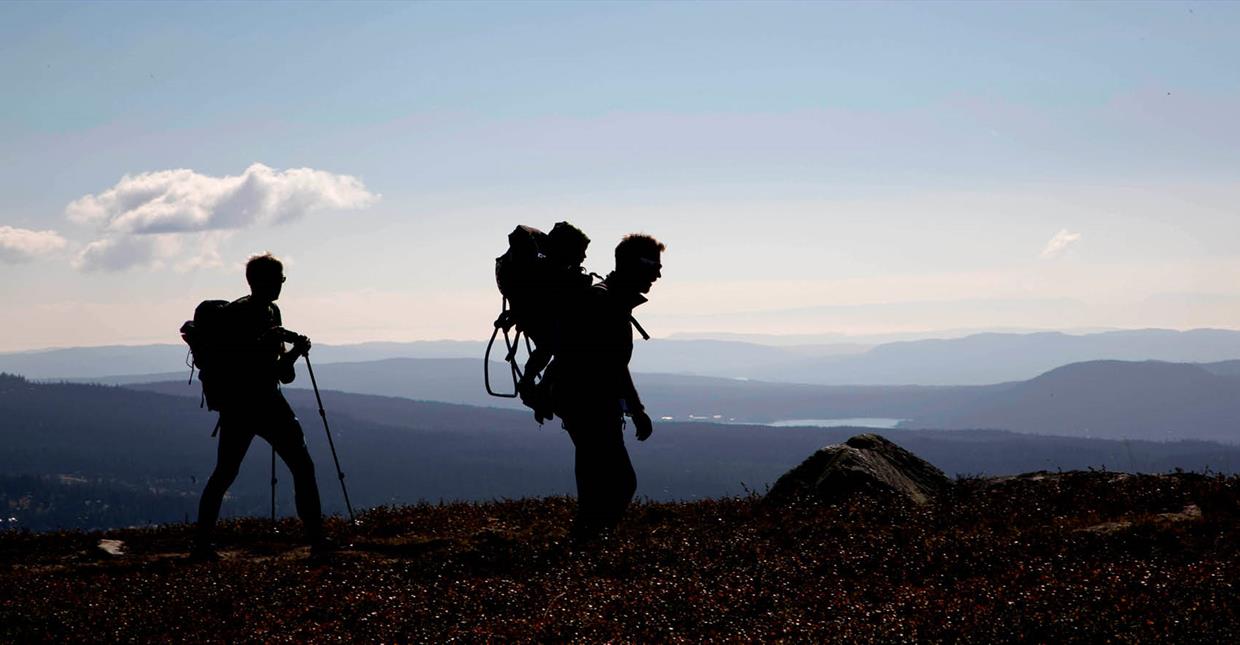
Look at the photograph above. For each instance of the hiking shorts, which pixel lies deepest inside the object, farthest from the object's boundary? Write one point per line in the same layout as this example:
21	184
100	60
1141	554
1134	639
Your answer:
268	416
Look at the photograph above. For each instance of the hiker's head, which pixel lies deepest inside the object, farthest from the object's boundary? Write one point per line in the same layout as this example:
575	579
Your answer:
639	260
265	273
568	244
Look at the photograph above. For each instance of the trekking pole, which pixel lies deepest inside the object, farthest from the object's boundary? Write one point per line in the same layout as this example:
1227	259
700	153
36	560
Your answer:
332	444
273	487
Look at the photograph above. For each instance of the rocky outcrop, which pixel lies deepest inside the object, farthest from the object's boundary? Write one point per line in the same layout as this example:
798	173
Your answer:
865	464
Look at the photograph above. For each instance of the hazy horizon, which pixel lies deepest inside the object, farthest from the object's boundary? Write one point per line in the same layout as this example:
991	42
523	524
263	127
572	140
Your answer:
771	340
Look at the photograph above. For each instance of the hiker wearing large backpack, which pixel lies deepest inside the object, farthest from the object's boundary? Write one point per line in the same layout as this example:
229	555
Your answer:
247	362
592	390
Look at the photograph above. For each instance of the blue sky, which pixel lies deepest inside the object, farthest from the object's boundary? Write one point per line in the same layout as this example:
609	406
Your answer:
813	167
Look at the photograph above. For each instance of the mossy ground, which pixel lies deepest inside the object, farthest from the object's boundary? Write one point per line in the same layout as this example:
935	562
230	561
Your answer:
1084	557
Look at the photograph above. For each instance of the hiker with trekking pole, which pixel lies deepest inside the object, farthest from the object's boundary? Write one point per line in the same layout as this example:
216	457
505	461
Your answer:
239	348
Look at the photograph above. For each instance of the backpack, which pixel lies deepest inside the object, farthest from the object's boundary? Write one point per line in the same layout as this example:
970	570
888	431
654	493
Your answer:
208	337
517	274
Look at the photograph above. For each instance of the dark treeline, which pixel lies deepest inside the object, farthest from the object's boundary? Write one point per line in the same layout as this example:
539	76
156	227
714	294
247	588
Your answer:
49	502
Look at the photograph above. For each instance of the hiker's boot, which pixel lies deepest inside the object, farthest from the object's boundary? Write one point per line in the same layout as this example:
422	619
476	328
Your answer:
202	551
585	534
323	547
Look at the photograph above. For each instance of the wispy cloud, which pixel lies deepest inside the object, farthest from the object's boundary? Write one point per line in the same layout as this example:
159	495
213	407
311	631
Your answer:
23	245
148	218
1060	243
122	252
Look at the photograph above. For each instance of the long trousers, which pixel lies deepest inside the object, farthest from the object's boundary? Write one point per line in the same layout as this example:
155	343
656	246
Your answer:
271	418
605	478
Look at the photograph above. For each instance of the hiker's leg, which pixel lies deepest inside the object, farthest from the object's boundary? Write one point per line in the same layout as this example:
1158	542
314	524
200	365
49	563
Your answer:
234	440
590	470
305	487
625	480
290	443
621	480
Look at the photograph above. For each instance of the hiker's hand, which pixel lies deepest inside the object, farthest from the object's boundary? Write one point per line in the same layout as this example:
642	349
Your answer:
301	345
641	421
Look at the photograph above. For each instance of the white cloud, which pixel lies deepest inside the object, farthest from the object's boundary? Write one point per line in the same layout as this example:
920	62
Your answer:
198	208
179	252
207	253
22	245
1060	243
125	251
180	201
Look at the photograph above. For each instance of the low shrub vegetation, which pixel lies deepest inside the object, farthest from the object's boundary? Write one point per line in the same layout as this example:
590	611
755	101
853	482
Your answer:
1081	556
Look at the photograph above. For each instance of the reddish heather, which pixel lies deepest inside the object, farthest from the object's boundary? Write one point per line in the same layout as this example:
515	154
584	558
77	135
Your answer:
1085	557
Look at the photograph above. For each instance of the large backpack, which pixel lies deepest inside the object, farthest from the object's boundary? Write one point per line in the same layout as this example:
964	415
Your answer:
517	274
209	338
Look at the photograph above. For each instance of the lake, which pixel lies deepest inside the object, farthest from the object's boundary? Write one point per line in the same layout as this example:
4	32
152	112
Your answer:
860	422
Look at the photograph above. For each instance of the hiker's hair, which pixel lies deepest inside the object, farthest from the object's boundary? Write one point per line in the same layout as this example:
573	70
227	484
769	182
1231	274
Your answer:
637	245
566	236
262	265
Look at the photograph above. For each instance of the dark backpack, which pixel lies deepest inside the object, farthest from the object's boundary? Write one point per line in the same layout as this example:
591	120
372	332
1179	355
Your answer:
518	273
209	338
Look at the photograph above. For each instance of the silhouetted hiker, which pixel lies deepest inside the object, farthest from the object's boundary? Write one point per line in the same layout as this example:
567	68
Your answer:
592	389
246	391
560	276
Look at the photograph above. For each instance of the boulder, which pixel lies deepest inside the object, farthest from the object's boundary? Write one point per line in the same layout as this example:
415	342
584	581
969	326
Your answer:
866	464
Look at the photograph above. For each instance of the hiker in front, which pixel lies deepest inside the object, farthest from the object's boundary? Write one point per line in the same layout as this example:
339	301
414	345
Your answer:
248	364
592	390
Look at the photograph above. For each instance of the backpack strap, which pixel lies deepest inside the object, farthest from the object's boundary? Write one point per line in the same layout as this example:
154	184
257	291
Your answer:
602	284
638	326
502	324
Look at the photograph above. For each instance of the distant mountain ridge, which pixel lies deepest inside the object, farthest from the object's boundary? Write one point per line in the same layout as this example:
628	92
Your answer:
673	395
1113	399
75	363
978	359
995	358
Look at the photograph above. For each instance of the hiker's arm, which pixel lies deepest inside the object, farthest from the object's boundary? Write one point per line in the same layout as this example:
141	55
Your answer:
633	403
637	411
287	359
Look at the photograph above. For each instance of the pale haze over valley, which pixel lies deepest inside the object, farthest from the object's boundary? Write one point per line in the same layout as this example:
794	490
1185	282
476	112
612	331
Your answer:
844	173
